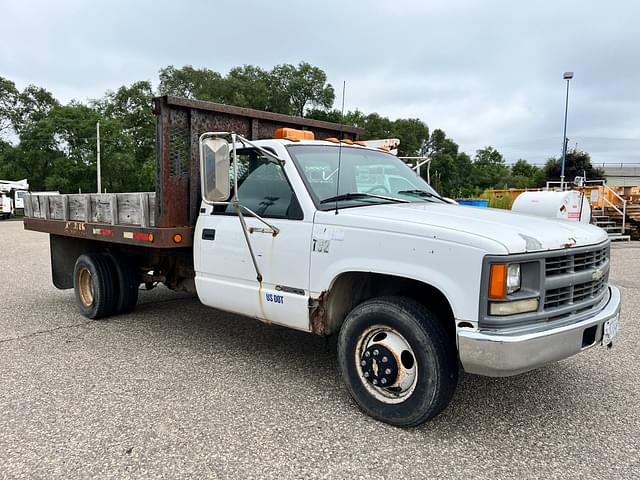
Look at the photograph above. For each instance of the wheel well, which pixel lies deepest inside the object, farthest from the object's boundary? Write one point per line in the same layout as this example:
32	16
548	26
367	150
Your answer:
350	289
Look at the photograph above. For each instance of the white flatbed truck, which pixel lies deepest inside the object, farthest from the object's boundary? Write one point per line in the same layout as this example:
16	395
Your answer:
336	238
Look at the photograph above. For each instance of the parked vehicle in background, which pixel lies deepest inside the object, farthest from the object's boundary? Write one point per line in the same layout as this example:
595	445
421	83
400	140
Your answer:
12	197
258	217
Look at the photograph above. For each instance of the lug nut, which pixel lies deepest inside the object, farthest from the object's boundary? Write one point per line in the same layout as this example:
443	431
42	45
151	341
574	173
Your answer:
367	354
385	359
375	352
383	381
363	363
375	382
366	374
387	371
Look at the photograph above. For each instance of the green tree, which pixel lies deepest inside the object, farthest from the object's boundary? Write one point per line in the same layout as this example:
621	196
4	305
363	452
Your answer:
189	82
334	116
128	133
33	104
377	126
489	169
464	184
247	86
37	150
577	164
293	89
8	103
285	89
524	175
443	169
413	134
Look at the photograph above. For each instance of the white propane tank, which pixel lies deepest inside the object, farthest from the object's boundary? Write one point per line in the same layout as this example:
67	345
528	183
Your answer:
568	205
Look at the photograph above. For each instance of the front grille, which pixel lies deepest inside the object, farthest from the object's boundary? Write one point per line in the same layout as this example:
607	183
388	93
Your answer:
579	281
578	262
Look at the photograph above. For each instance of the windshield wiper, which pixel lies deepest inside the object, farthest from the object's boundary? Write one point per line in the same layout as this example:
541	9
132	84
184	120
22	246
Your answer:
422	193
357	195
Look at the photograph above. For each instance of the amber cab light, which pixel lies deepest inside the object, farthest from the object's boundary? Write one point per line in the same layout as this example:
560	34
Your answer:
293	134
498	281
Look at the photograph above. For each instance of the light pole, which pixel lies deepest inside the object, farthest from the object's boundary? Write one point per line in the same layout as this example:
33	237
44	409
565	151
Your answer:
567	76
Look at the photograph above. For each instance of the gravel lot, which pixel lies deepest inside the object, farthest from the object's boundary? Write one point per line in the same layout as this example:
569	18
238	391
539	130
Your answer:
177	390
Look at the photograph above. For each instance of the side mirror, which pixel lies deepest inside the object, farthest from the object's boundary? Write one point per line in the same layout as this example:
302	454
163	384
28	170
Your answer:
214	169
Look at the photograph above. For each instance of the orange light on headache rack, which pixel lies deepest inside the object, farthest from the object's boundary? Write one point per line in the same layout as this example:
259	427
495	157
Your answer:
177	238
293	134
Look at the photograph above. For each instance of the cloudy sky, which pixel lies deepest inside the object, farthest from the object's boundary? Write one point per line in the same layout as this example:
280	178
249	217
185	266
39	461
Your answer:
487	72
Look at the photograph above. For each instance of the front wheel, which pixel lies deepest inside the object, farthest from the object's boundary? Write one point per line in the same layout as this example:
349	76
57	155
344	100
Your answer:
397	361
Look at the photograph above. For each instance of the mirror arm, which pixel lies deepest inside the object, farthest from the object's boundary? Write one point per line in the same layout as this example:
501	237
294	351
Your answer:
237	206
272	228
262	150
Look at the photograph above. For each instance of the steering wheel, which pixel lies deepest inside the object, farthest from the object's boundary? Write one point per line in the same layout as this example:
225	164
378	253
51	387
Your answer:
378	187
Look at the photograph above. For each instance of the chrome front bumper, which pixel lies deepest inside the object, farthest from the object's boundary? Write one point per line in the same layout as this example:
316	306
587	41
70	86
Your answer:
498	355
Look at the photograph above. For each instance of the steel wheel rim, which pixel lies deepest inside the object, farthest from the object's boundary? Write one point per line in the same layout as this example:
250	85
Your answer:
85	289
385	339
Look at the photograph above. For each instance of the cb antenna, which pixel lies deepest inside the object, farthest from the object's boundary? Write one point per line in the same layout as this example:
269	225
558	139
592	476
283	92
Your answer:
344	86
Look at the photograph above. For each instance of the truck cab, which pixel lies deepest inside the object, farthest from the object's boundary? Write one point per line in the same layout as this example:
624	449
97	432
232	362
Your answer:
505	292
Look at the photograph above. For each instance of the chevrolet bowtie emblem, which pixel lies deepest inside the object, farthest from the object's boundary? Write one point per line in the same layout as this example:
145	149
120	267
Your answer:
597	275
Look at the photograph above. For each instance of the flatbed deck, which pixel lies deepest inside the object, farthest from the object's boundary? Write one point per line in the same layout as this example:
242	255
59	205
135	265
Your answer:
126	218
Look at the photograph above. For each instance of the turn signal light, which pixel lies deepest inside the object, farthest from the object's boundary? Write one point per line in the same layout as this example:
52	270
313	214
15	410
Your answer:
498	281
177	238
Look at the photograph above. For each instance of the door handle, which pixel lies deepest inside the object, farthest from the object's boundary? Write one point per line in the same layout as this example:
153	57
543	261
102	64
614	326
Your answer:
208	234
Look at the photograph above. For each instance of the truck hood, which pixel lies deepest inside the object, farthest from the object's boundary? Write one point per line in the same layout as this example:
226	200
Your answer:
516	232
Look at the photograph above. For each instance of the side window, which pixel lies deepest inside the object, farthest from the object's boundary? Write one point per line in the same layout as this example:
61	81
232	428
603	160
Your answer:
263	188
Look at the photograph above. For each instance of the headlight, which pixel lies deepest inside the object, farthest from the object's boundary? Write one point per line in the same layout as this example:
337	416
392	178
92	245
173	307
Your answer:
503	279
513	278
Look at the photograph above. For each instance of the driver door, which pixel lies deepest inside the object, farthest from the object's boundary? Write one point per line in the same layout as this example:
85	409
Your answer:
225	274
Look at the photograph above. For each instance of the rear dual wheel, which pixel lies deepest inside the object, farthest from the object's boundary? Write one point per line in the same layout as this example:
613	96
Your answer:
105	285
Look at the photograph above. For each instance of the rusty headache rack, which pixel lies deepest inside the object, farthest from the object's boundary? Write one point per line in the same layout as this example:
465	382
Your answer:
164	218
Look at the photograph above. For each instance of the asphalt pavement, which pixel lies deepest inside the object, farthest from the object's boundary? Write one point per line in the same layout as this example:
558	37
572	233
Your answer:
177	390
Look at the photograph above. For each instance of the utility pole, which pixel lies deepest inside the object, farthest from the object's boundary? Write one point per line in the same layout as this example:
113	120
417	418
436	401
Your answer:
98	156
567	76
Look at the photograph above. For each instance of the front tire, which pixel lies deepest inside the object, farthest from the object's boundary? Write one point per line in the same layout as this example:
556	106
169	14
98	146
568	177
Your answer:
397	361
94	286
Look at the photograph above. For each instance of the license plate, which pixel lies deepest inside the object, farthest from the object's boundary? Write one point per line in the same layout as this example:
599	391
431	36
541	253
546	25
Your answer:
610	329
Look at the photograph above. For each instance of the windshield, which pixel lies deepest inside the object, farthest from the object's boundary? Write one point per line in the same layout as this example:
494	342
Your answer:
362	172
